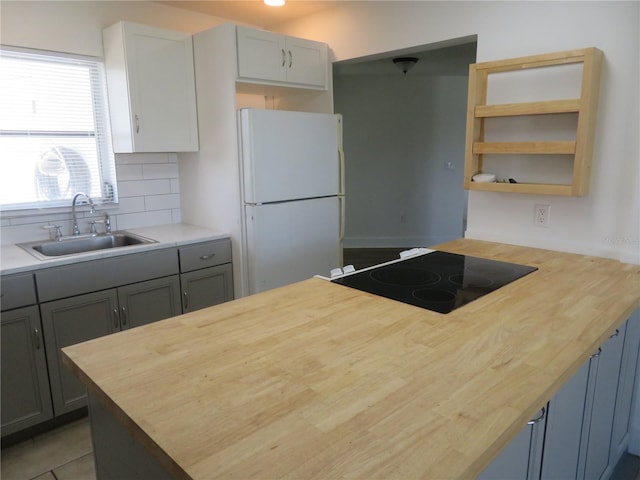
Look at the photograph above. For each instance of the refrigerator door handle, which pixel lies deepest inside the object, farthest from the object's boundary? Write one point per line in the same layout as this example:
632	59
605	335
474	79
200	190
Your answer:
342	215
341	156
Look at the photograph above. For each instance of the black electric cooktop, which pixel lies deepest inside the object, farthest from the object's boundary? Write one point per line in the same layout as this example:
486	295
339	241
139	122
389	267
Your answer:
437	281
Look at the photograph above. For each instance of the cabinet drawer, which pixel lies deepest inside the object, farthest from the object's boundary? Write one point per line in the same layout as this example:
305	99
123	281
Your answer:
206	254
95	275
17	291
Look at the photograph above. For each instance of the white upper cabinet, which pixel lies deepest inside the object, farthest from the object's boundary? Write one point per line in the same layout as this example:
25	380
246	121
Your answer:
271	58
151	89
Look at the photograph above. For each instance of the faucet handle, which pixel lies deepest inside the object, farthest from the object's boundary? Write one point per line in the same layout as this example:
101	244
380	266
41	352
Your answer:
106	221
55	232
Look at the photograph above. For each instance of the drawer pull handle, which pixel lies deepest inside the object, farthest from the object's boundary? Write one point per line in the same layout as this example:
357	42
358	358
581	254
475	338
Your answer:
207	257
284	58
124	316
116	319
290	59
137	123
36	338
186	300
615	334
539	418
597	354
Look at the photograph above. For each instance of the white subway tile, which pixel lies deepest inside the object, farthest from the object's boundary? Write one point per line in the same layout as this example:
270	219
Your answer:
144	187
130	205
161	202
146	219
139	158
129	172
165	170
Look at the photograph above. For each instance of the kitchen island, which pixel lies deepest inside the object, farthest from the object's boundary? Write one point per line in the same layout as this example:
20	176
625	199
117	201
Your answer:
318	380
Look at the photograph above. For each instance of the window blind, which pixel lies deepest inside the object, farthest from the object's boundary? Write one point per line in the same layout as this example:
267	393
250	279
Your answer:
54	131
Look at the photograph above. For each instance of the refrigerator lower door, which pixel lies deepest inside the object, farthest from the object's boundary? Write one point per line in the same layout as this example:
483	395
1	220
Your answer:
291	241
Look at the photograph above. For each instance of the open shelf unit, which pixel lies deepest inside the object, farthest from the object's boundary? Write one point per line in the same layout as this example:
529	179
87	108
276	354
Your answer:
585	107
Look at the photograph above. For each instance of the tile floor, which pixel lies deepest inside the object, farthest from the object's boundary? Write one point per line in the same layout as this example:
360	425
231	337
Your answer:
61	454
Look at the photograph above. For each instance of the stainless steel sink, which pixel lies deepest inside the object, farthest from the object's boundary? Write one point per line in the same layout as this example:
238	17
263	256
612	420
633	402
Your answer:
82	244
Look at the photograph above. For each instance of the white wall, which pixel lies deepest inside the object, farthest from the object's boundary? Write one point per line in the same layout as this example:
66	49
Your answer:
401	131
607	221
148	184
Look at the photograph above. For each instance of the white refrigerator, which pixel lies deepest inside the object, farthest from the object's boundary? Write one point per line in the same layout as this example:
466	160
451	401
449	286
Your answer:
292	183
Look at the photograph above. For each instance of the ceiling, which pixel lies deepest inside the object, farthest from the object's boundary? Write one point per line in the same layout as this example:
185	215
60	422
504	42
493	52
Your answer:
450	58
253	12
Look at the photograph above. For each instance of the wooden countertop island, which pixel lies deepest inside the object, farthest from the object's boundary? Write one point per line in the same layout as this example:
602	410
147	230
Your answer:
318	380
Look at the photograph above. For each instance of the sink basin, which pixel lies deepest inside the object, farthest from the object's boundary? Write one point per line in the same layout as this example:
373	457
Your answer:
83	244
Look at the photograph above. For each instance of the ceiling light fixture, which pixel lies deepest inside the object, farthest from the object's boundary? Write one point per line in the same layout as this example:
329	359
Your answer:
405	63
274	3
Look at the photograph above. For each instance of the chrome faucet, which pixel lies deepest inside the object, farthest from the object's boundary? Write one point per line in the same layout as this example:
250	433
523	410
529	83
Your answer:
76	230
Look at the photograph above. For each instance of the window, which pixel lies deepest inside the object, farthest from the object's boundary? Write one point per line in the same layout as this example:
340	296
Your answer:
54	131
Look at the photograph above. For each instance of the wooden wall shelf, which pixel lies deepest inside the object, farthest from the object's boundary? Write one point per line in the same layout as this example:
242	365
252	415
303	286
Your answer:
585	107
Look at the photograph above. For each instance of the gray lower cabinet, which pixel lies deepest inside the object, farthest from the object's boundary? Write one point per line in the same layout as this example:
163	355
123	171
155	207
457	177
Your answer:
206	274
84	317
206	287
26	400
89	299
586	429
588	418
626	387
598	423
521	458
565	427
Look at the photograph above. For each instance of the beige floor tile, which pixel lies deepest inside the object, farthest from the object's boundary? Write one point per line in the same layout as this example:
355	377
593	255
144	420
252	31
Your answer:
81	469
43	453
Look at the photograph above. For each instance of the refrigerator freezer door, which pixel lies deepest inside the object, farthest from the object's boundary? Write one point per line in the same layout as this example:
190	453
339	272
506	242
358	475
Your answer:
289	155
291	241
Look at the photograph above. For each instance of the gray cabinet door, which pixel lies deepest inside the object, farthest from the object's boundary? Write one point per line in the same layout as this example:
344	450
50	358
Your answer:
619	437
150	301
26	400
67	322
206	287
521	458
599	424
564	428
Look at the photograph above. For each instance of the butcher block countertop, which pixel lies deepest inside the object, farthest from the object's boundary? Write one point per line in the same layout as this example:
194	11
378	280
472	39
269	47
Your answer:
317	380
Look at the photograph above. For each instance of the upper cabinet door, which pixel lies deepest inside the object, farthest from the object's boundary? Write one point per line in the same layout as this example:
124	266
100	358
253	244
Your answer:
261	55
307	62
151	87
274	59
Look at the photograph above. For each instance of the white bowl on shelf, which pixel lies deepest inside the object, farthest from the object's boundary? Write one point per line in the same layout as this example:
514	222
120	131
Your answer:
484	177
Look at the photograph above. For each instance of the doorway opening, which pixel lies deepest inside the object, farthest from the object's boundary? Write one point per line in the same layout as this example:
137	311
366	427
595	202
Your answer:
404	137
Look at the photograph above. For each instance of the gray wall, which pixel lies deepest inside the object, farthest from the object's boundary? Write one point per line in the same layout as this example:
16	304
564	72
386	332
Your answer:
400	132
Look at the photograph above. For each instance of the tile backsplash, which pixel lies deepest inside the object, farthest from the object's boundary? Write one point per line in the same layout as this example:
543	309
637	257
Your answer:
149	194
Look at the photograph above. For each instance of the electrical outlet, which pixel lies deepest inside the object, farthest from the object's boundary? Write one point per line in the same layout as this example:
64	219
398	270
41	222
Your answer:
541	215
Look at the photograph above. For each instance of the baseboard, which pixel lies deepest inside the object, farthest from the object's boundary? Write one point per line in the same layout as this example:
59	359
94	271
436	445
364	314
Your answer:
396	242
